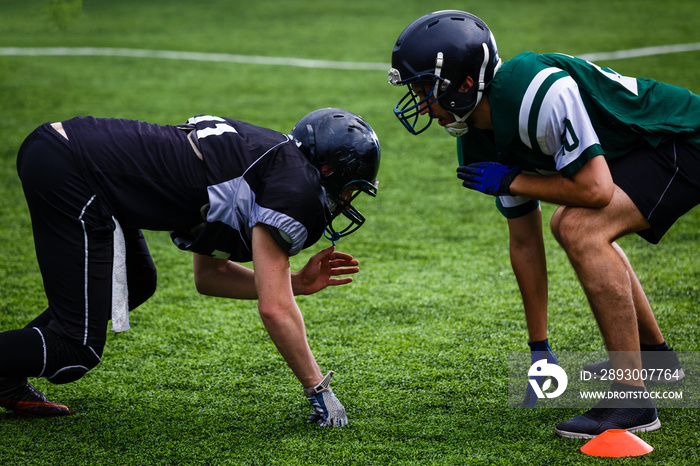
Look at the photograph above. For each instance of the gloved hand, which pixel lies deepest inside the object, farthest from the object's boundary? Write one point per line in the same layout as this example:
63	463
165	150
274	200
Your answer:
328	412
538	350
488	177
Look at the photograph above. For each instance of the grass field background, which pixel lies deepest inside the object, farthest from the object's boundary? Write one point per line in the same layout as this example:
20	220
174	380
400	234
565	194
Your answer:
419	341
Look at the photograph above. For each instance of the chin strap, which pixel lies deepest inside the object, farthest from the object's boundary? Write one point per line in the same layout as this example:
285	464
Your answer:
331	236
459	127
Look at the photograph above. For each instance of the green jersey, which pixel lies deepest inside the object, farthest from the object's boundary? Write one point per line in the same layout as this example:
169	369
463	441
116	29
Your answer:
551	113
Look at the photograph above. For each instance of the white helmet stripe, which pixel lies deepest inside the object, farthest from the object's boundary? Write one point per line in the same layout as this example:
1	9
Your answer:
459	127
438	64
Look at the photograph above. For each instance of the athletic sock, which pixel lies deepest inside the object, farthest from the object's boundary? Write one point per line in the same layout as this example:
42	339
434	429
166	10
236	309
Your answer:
539	345
662	347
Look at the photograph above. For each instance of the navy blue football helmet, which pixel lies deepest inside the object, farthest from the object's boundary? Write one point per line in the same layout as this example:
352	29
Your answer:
439	51
345	150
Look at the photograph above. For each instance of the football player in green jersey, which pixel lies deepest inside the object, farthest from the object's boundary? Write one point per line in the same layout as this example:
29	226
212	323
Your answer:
619	155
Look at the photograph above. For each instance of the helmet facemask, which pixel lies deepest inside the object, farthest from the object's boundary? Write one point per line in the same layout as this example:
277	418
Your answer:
339	204
408	109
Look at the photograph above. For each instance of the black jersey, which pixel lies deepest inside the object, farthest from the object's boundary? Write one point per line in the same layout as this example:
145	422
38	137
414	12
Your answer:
268	181
147	175
154	177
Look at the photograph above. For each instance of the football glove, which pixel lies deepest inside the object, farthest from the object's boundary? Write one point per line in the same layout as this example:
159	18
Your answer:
538	350
327	410
488	177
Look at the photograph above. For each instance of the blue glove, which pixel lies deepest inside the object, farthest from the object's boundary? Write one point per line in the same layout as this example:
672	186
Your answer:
538	350
488	177
328	412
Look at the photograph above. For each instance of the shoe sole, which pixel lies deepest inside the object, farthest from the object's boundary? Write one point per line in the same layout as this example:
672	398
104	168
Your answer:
656	424
50	409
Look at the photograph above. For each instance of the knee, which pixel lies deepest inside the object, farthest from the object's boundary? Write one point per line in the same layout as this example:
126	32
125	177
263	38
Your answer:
68	374
567	228
573	233
554	223
67	361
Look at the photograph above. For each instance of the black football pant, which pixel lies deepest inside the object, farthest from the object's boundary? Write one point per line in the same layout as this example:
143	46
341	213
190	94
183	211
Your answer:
74	241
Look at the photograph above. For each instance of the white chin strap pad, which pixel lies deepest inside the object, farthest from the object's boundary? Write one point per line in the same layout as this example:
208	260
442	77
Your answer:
457	128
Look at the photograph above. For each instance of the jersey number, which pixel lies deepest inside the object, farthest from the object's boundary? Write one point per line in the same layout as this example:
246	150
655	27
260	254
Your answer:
220	126
569	138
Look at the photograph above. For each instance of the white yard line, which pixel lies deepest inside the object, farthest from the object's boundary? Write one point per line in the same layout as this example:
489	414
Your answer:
196	56
298	62
642	52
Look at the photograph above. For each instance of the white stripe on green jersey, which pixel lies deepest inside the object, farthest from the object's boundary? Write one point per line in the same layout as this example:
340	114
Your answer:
553	120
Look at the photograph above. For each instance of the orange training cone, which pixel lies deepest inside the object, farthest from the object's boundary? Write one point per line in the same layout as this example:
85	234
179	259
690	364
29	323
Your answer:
616	442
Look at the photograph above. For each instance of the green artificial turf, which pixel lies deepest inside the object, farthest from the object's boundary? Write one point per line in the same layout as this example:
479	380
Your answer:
419	341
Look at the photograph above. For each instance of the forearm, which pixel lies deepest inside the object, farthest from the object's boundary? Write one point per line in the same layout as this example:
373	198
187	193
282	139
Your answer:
285	325
278	308
591	186
224	279
555	189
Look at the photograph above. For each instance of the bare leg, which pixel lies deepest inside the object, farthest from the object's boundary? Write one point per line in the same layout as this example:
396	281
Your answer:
649	332
529	264
612	289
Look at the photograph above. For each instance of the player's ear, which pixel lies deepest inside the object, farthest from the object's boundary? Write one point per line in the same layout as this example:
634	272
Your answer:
467	84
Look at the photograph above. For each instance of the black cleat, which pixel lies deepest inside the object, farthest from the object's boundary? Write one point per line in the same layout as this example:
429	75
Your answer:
595	421
20	396
634	414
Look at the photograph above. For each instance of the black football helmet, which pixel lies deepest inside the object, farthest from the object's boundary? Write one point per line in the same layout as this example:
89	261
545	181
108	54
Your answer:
440	50
345	150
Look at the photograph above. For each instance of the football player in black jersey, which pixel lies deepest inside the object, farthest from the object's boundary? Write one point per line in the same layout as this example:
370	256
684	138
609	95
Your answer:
227	190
